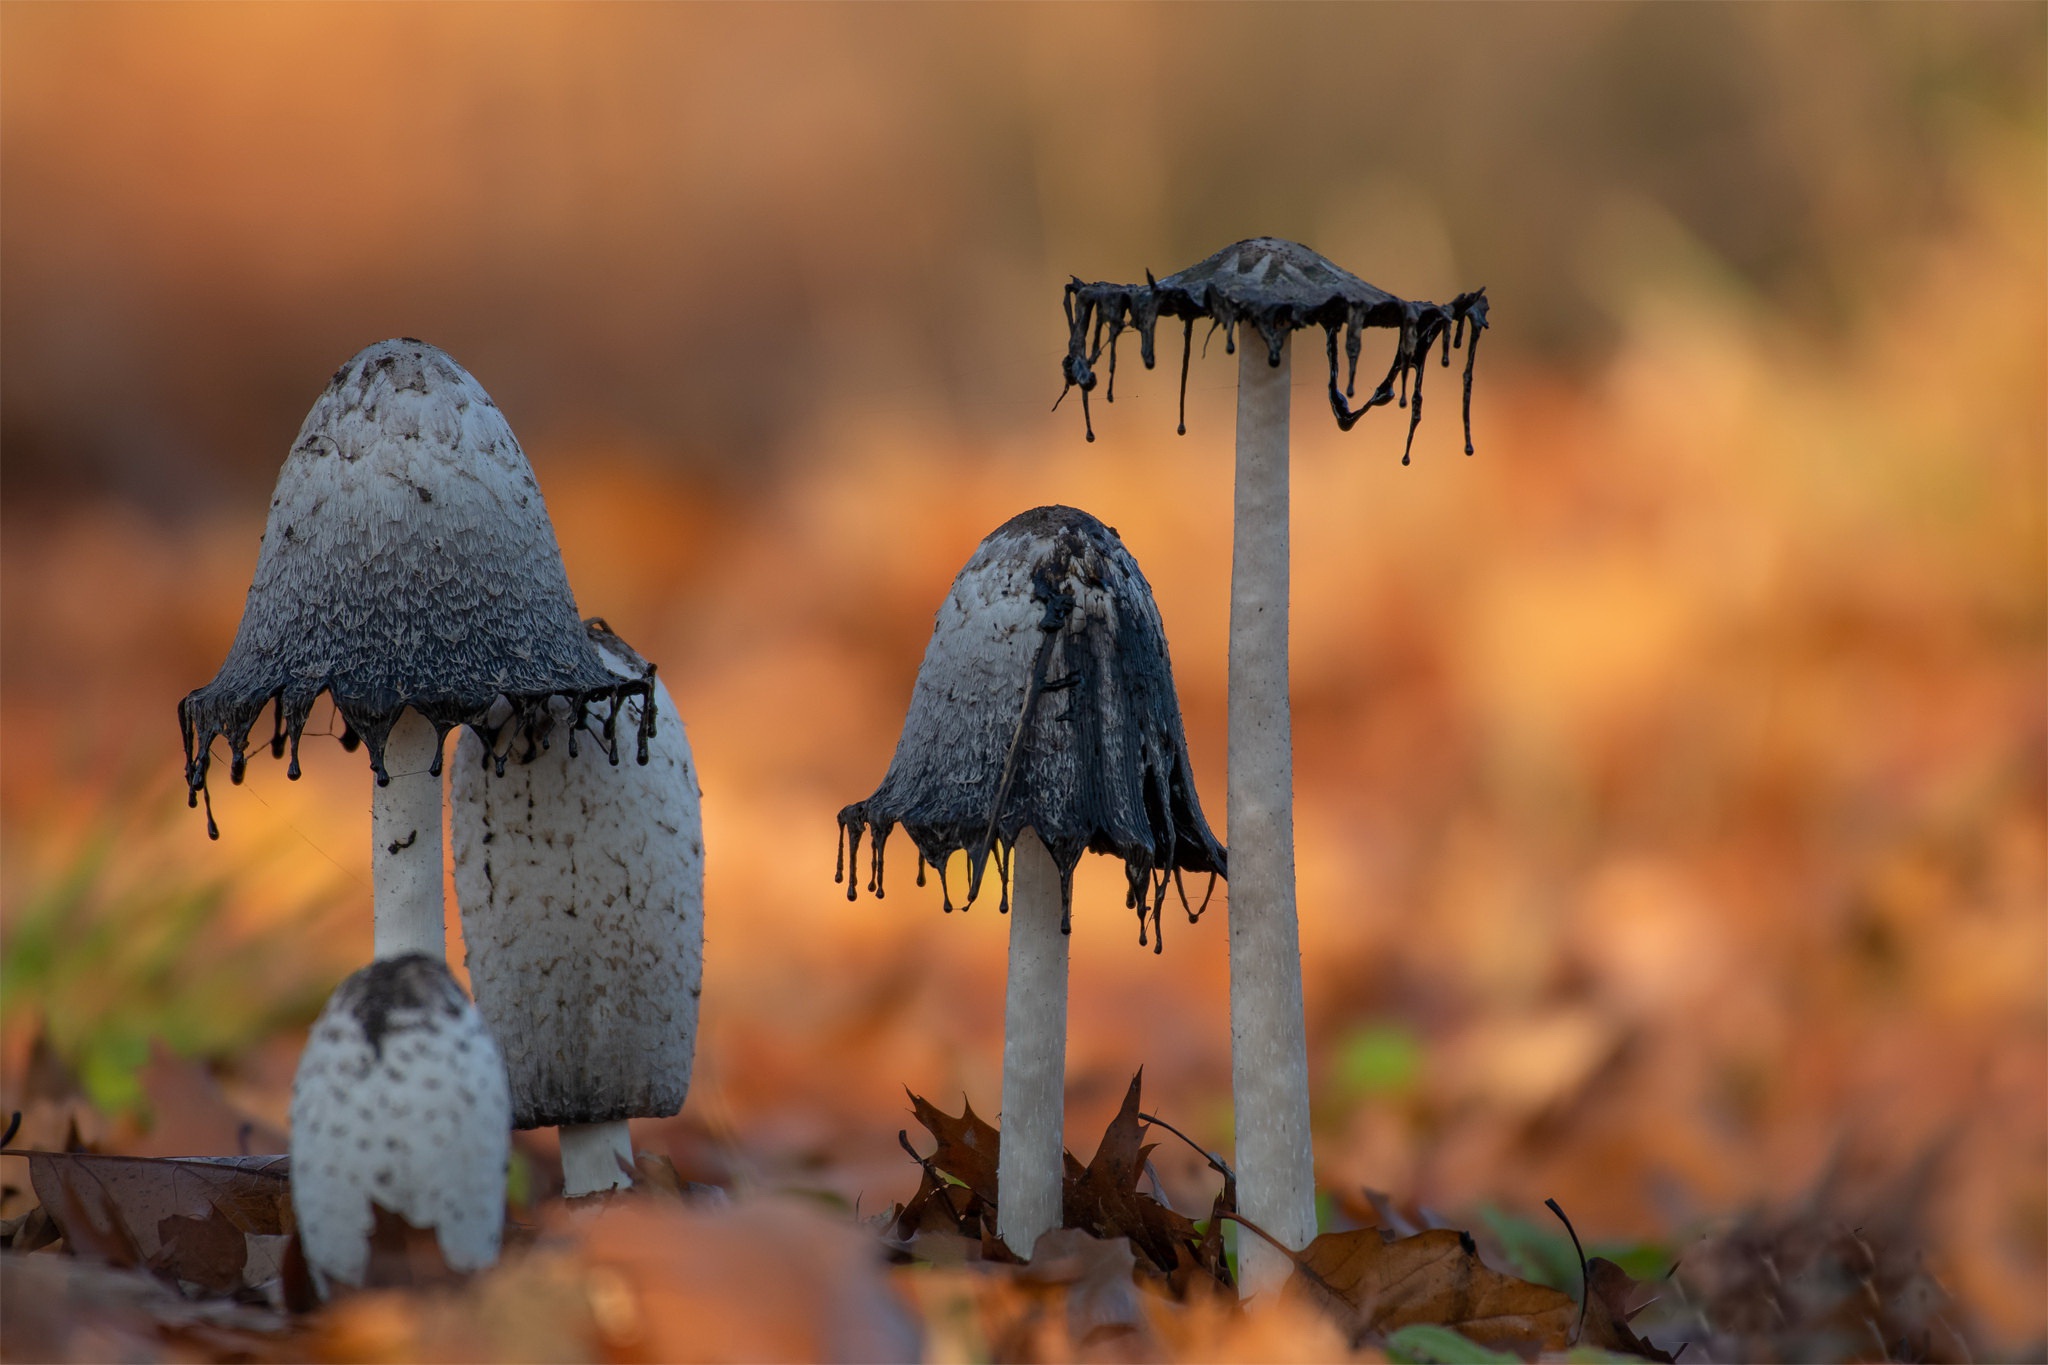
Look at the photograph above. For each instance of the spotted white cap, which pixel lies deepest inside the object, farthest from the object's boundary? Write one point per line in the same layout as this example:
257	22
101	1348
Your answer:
400	1101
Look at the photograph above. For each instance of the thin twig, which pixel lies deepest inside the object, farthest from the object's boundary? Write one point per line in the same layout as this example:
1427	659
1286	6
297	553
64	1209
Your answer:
1585	1279
1215	1162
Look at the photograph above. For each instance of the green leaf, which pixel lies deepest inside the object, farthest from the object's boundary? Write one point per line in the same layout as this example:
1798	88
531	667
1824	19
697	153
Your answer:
1425	1343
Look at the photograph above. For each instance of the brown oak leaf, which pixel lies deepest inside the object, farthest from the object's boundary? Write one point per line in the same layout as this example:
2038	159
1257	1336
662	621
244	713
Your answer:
1374	1285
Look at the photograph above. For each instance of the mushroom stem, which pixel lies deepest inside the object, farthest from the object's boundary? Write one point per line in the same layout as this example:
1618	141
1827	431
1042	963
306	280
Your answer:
1030	1162
595	1157
405	843
1268	1037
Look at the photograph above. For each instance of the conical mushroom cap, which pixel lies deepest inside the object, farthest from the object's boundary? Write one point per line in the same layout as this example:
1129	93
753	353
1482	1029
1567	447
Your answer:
399	1102
1046	701
1275	286
408	561
582	895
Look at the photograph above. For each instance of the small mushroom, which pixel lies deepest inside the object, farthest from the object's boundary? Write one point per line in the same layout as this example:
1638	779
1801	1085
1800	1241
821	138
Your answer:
1273	287
1043	724
582	897
409	571
400	1103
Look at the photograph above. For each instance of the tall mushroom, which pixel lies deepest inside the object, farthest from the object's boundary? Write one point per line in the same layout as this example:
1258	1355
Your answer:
1275	287
399	1103
582	897
409	571
1043	723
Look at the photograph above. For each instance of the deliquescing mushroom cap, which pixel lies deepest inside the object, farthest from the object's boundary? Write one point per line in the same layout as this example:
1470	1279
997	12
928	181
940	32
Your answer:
1277	287
1045	700
407	561
400	1101
582	895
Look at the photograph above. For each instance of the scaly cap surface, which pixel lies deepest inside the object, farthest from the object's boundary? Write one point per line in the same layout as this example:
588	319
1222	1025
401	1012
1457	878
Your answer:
1045	700
408	561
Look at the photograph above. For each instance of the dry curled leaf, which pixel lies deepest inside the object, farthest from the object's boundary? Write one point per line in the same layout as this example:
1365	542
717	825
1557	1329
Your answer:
1613	1298
1103	1197
1374	1285
967	1145
957	1197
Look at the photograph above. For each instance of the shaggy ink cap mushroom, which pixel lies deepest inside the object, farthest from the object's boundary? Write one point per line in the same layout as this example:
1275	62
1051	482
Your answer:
582	897
1045	702
407	562
1275	287
400	1103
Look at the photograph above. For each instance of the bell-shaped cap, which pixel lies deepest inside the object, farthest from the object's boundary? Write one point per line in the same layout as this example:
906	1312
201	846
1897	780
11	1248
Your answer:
1275	286
400	1103
1045	701
408	561
582	895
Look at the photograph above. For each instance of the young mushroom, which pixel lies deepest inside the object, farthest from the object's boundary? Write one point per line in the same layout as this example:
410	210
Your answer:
1043	724
409	571
582	897
1273	287
399	1103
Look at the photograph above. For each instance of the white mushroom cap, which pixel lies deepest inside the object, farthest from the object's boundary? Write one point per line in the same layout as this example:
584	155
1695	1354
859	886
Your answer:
408	561
582	895
400	1101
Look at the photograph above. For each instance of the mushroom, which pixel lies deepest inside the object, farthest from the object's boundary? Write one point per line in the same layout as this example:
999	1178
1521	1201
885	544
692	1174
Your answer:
400	1103
1043	723
1275	287
409	571
582	897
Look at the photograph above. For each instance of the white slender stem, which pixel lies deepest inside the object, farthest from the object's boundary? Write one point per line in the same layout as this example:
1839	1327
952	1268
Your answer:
405	843
592	1154
1268	1037
1030	1165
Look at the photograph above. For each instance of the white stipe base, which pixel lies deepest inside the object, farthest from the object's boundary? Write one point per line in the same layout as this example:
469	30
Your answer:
1030	1164
1268	1037
405	844
592	1154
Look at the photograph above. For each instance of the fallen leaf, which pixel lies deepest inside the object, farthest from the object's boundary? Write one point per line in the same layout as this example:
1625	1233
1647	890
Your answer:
957	1196
1835	1277
1102	1299
63	1308
967	1146
1376	1286
218	1223
1613	1297
1103	1197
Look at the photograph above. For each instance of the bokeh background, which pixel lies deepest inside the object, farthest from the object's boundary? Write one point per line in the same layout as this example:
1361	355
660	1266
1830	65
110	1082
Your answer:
1672	822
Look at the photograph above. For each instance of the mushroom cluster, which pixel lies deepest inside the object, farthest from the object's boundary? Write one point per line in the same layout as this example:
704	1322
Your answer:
409	572
1043	724
1275	287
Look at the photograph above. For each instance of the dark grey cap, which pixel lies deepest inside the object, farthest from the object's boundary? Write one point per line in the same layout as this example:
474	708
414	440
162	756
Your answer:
1276	286
1045	700
408	561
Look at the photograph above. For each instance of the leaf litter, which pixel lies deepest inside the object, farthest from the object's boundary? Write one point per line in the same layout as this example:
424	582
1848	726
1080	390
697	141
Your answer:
161	1257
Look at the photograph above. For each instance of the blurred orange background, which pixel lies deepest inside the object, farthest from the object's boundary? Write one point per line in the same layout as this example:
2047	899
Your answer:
1671	804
